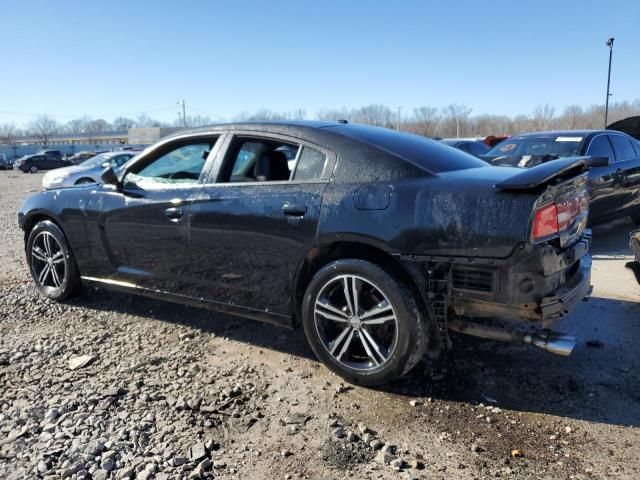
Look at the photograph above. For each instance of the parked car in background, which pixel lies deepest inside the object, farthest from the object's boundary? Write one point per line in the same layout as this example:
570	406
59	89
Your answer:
80	157
474	147
39	161
88	171
614	169
5	164
371	240
55	154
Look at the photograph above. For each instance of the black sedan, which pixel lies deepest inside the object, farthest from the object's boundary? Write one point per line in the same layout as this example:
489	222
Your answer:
367	237
474	147
614	173
40	161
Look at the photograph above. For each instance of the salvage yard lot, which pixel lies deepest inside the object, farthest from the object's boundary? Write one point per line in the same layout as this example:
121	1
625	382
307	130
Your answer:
179	392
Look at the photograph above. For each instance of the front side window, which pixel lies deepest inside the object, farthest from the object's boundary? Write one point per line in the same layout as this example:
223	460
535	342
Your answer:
601	147
179	166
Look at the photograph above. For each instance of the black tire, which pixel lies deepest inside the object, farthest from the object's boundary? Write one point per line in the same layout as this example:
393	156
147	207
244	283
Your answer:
63	262
33	169
410	325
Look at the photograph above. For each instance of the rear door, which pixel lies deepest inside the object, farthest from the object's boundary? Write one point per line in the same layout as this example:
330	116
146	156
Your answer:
628	168
605	183
256	219
144	224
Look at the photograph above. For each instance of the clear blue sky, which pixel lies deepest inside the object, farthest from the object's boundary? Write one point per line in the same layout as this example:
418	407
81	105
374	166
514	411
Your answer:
110	58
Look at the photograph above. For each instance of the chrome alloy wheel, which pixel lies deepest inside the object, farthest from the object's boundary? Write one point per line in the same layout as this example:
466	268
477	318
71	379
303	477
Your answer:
355	322
47	258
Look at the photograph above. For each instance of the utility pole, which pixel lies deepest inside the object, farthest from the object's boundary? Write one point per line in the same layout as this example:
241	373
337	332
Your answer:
606	105
184	112
399	117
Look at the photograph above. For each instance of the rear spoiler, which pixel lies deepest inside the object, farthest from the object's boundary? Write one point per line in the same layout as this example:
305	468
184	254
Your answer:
543	174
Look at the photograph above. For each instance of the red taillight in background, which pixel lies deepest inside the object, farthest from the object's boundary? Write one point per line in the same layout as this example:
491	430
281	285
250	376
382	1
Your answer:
559	216
545	222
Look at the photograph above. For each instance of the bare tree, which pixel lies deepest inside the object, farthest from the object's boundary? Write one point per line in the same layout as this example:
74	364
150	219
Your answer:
43	128
427	120
455	120
542	117
334	114
123	123
8	133
378	115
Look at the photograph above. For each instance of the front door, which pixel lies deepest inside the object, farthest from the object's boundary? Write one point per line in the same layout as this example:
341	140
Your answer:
628	167
605	182
250	229
144	224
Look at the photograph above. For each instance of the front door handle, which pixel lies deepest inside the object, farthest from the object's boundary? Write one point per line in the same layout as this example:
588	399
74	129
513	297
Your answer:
174	213
294	210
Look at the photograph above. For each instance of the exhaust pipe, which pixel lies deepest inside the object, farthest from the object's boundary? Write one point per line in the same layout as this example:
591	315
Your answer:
552	342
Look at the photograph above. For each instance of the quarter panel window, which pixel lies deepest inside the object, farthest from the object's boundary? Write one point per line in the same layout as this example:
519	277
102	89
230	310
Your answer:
601	147
623	148
310	165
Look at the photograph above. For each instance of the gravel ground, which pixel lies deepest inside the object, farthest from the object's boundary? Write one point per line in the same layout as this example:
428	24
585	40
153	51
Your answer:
114	386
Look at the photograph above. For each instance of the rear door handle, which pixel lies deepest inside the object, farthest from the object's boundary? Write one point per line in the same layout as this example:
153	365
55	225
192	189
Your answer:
174	213
294	210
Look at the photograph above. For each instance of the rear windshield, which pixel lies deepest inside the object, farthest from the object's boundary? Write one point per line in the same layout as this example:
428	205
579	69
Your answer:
428	154
557	145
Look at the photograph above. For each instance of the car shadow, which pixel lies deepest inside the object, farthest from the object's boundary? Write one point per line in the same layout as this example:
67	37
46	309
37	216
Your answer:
599	382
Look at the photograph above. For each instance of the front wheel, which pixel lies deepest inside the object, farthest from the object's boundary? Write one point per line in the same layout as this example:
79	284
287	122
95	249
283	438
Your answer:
33	169
363	323
51	262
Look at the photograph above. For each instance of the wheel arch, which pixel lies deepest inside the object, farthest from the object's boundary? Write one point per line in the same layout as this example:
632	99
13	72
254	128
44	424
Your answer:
322	255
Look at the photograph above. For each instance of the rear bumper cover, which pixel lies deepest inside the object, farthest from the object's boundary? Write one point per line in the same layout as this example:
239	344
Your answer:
547	308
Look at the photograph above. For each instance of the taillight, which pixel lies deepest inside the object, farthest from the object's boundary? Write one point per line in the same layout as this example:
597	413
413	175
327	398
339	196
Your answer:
545	222
559	216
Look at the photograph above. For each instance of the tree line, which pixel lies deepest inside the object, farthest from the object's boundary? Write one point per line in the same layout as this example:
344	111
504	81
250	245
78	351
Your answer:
451	121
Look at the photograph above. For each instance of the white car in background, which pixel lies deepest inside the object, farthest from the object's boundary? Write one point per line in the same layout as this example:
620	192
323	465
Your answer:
87	172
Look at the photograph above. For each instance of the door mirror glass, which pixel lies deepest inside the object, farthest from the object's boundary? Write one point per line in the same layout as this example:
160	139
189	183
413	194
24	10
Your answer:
109	177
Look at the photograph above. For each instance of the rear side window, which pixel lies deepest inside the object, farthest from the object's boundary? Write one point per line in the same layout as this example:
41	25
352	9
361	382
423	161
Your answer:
601	147
310	165
429	154
623	148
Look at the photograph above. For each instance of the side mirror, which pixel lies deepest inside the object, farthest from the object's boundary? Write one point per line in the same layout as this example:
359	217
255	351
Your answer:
106	165
598	161
109	177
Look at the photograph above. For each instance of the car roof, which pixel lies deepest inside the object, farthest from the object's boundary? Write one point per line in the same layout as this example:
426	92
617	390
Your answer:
268	125
558	133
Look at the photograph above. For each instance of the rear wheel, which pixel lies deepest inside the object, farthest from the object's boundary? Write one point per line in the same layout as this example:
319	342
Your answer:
363	323
33	169
51	262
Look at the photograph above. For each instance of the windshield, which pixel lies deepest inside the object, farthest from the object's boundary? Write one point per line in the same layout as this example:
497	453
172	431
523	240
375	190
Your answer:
96	161
557	145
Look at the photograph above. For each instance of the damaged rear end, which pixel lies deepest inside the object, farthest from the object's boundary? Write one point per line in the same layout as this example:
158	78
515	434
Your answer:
518	297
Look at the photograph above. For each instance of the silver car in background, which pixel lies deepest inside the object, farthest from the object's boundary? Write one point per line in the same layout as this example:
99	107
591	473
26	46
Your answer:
88	171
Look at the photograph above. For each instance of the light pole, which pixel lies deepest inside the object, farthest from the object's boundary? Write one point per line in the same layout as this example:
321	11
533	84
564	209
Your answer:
399	119
184	112
606	105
